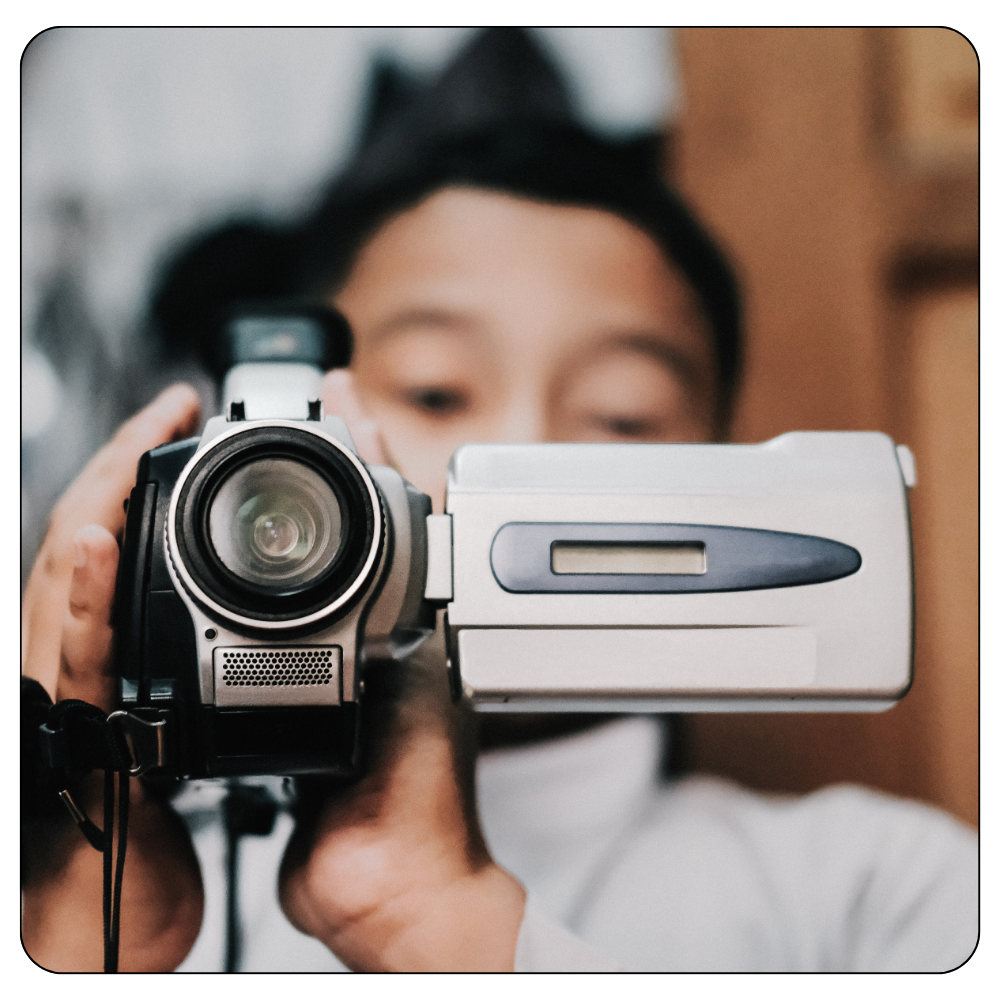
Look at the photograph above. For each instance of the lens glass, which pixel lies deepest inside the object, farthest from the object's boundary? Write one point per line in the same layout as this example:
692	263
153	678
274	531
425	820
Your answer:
276	523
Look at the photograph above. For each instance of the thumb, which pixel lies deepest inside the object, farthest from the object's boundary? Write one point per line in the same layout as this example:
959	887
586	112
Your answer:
86	670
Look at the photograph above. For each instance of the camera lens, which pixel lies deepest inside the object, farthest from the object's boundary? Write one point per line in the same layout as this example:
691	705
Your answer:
276	526
276	523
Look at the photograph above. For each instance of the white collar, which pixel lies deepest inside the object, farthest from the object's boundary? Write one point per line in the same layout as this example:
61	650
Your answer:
550	810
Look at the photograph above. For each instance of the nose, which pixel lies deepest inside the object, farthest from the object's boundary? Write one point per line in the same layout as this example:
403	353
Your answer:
523	421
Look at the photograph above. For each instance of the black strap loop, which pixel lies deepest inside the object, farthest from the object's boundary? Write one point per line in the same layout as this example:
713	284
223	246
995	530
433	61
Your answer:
77	736
73	738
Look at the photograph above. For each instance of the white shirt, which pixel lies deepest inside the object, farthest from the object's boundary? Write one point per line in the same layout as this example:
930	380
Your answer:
625	872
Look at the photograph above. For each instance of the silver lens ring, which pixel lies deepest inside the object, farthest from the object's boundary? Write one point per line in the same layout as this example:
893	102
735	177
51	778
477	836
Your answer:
296	556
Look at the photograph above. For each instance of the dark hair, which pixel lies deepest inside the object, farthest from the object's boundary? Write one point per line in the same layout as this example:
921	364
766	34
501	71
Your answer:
560	165
499	118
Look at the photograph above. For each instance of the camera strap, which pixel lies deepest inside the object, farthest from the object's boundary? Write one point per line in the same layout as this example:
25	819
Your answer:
73	738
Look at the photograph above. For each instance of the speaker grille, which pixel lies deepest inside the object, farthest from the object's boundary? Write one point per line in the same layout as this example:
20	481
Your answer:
277	667
277	675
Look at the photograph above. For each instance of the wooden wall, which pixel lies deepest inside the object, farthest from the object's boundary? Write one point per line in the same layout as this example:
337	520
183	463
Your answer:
839	166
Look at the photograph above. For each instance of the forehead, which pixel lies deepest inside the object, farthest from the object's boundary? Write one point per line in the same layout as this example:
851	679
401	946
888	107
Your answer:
476	249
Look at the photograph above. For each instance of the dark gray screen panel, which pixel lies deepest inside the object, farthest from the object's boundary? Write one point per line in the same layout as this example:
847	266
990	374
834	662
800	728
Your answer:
735	558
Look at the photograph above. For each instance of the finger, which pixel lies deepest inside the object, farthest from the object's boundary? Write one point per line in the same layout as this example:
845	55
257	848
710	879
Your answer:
96	496
86	670
340	399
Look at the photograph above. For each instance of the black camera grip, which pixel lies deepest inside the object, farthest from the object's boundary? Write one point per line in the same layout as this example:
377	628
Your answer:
129	615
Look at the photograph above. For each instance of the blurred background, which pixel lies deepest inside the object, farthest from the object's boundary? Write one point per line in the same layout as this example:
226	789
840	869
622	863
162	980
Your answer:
839	166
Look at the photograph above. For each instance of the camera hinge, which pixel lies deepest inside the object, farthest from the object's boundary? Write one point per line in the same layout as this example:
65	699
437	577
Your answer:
439	574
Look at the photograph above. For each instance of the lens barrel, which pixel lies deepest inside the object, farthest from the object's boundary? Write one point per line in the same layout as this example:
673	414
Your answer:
275	524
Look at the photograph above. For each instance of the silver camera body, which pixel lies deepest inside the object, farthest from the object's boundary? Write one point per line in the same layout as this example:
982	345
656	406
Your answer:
264	564
611	577
646	577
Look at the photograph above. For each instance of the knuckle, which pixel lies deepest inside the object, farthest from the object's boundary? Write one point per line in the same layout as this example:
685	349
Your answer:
80	607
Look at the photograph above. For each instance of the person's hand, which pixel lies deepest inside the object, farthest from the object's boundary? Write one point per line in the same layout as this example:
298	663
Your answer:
66	627
94	500
393	873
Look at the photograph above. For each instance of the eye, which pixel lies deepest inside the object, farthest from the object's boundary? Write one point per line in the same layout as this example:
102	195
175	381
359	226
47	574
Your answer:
628	427
436	401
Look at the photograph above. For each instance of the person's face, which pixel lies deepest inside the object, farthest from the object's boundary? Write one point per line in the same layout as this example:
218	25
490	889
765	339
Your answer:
480	316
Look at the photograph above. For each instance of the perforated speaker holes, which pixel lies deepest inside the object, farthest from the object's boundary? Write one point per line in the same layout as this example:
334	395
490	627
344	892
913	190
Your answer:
298	667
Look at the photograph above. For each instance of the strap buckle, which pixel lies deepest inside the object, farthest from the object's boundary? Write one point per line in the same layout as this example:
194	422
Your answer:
146	740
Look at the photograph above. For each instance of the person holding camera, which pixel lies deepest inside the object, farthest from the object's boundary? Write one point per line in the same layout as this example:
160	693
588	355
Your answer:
522	282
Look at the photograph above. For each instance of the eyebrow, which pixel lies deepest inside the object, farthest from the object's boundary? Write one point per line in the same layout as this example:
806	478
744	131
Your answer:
402	321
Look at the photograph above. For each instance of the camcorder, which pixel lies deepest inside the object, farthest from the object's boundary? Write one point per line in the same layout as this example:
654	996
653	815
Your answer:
264	565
